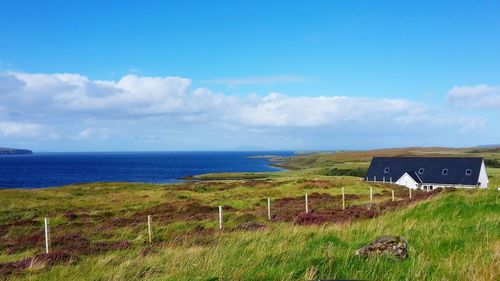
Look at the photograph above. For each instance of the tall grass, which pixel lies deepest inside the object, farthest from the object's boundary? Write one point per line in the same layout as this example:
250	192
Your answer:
454	236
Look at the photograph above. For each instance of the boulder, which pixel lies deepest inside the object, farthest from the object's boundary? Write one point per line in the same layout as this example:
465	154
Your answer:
385	245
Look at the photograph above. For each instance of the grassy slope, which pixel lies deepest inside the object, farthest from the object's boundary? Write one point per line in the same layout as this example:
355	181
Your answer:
453	236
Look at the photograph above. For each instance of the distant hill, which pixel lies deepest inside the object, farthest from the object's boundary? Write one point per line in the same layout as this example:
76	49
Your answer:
14	151
494	148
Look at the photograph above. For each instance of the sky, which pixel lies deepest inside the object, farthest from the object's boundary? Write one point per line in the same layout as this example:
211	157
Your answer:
248	75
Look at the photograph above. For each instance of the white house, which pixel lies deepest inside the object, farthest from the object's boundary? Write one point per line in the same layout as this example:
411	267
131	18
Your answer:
428	173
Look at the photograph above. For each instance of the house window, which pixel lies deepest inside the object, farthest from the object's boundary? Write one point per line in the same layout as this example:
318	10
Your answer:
420	171
386	170
445	172
468	172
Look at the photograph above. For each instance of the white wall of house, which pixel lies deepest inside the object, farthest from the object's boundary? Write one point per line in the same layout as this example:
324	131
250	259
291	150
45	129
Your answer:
483	177
406	180
440	185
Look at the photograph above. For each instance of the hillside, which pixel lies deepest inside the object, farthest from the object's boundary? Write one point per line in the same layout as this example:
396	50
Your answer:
99	231
355	163
14	151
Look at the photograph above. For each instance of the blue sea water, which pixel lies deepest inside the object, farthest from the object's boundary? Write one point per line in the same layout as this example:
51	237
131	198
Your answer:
56	169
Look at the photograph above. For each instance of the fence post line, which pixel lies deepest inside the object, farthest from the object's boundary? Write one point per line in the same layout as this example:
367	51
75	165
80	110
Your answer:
410	191
220	217
47	233
371	194
392	195
150	233
343	199
269	208
307	204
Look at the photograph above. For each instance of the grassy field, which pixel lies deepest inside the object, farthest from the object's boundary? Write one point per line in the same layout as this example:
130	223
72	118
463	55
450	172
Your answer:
99	231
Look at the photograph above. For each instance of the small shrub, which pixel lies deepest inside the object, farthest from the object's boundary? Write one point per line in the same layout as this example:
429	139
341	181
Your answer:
358	172
492	163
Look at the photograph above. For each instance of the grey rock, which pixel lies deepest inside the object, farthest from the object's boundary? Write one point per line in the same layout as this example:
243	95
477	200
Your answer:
385	245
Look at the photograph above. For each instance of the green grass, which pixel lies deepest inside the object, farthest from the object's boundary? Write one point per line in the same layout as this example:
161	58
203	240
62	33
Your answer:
453	236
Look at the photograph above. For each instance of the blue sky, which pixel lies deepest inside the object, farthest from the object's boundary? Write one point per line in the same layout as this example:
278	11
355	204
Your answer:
224	75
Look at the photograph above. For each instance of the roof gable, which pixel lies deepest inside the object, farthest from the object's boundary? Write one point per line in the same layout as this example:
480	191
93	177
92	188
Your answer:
427	169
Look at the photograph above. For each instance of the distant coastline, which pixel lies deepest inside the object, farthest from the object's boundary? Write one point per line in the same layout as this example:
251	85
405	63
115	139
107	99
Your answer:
14	151
276	161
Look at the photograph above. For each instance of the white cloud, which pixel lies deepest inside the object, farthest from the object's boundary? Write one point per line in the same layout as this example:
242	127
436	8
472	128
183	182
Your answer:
85	134
278	110
74	103
16	129
475	97
89	133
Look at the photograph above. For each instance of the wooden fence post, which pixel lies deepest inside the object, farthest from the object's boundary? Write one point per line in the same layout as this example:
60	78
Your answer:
410	191
269	209
307	204
220	217
371	194
343	199
393	196
150	234
390	179
47	233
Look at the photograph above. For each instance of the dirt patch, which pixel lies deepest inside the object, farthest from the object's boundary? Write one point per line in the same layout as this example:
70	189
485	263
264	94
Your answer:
77	244
208	186
166	212
23	242
117	223
356	212
5	228
286	209
182	211
190	210
310	218
73	215
24	223
50	259
70	215
74	243
320	184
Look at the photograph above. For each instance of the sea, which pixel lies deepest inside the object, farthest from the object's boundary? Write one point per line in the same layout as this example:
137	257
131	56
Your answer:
58	169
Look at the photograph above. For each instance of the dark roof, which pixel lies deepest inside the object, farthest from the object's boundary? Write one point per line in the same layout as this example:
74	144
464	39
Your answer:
433	169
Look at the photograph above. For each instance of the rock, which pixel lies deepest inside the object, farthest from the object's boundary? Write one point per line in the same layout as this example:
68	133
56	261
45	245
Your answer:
385	245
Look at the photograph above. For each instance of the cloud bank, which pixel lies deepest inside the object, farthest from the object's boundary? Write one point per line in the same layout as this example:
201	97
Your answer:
74	107
475	97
